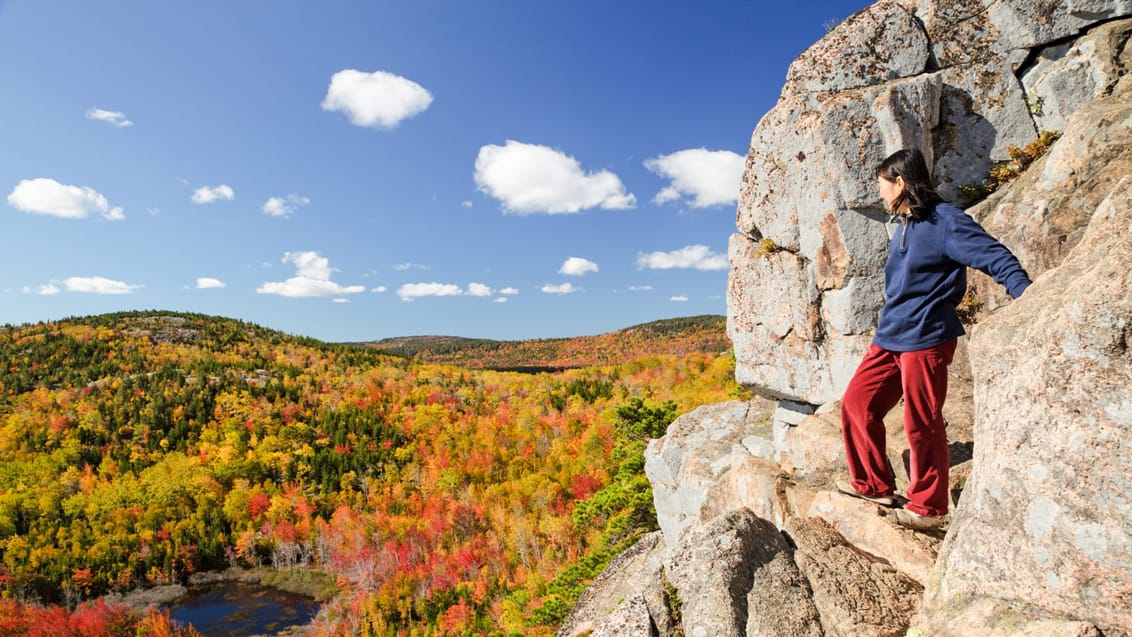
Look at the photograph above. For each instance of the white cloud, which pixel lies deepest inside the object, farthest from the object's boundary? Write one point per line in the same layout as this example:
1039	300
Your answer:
709	177
640	288
698	257
97	285
528	178
206	194
565	288
577	266
501	299
309	265
339	300
49	197
411	291
42	290
207	282
479	289
509	291
401	267
284	206
375	100
680	298
114	118
379	289
312	278
466	204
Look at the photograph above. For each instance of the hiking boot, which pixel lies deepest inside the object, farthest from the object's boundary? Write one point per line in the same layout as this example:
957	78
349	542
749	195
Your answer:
910	520
847	489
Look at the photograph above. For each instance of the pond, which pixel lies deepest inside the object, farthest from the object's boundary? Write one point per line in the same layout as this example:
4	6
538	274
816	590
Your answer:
235	609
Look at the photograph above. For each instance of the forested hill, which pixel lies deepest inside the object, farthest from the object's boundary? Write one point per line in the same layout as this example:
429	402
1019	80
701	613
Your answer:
139	448
675	337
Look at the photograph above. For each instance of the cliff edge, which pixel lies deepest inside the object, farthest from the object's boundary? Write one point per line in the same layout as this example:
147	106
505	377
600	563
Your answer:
753	540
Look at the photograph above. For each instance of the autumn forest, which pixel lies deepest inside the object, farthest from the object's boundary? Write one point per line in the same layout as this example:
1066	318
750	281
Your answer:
437	492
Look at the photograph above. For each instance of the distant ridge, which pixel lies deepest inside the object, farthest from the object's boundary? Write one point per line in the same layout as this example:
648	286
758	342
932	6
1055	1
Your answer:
676	337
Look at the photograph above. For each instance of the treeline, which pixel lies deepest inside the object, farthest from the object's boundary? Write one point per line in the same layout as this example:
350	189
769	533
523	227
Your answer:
138	448
668	337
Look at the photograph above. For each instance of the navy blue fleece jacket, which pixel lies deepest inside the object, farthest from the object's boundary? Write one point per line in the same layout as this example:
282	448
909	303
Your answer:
926	276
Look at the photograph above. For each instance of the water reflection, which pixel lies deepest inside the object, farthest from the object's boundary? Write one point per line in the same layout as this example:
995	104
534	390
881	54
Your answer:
233	609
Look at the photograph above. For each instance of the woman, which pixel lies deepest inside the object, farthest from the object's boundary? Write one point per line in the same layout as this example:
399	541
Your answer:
925	278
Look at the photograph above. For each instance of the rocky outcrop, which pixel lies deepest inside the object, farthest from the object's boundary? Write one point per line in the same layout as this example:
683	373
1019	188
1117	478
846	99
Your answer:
754	540
807	262
1049	519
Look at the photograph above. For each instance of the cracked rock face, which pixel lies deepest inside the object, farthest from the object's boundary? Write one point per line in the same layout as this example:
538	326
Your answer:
1047	516
806	278
855	595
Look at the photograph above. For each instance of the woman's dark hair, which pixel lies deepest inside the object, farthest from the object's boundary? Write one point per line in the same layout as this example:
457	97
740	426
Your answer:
918	193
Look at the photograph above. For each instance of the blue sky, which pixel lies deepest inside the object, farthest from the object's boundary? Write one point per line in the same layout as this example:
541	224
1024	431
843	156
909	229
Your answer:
358	170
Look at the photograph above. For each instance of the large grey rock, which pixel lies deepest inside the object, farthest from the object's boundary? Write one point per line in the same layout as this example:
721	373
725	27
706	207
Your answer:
812	158
879	43
1047	516
619	600
970	31
855	596
1065	76
689	467
806	266
720	568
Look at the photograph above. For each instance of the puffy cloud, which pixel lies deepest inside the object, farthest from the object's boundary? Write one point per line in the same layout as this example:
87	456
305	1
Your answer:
207	282
284	206
680	298
698	257
309	265
206	194
97	285
379	289
479	289
709	177
528	178
114	118
299	287
49	197
42	290
375	100
577	266
312	278
565	288
411	291
501	299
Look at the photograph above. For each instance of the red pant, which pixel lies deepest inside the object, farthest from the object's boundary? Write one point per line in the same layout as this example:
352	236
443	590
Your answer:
876	387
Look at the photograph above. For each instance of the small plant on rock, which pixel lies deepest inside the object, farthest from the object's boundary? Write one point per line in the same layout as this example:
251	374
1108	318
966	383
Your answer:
767	247
673	604
1003	172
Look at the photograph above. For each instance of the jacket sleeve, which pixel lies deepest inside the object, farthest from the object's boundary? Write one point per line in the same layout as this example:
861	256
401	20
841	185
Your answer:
972	246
